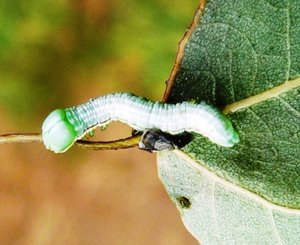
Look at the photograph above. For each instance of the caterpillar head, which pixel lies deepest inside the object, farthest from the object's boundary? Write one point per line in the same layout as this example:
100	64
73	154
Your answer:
57	132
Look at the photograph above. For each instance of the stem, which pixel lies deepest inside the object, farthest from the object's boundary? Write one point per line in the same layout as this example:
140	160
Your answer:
20	138
91	145
129	142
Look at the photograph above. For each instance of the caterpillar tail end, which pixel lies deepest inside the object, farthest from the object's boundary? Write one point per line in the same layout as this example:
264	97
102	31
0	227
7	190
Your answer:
235	138
223	133
57	132
232	137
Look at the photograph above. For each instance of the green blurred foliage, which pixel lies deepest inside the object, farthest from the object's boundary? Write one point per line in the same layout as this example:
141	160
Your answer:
54	50
57	53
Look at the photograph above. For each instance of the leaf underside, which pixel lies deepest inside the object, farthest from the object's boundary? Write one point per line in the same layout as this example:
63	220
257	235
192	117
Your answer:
244	57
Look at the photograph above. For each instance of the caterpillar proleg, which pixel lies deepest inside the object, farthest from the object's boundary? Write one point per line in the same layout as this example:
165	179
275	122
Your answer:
64	126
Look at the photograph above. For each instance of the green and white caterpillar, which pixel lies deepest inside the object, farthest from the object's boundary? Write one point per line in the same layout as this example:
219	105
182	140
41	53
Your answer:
64	126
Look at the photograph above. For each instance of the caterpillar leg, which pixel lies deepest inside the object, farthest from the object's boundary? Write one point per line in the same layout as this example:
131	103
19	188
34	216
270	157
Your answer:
57	132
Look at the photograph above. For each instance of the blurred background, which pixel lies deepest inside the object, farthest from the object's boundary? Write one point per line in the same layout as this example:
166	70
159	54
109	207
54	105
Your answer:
59	53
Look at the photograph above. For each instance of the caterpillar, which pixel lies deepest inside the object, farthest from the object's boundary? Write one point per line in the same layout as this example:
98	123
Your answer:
63	127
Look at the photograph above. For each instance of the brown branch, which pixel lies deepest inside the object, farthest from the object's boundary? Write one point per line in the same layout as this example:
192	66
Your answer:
91	145
20	138
129	142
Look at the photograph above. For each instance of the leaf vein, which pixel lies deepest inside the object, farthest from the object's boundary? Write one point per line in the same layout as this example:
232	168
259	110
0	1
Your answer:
297	113
275	227
288	42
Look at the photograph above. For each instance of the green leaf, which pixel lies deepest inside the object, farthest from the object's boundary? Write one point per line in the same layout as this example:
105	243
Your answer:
216	211
244	57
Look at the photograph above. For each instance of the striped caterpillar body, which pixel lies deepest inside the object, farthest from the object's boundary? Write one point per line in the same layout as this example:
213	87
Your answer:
64	126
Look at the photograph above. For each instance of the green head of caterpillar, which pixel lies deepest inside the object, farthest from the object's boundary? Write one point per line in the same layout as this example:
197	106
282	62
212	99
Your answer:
57	132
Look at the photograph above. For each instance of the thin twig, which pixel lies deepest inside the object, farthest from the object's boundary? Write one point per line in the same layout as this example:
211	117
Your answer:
91	145
129	142
20	138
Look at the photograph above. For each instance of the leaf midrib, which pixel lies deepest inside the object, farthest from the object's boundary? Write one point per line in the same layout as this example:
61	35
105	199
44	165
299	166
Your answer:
266	95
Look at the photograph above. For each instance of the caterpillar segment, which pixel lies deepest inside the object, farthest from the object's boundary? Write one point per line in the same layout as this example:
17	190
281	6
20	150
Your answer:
64	126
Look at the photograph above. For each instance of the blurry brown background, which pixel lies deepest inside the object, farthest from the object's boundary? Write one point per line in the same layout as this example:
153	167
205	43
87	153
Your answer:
57	53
